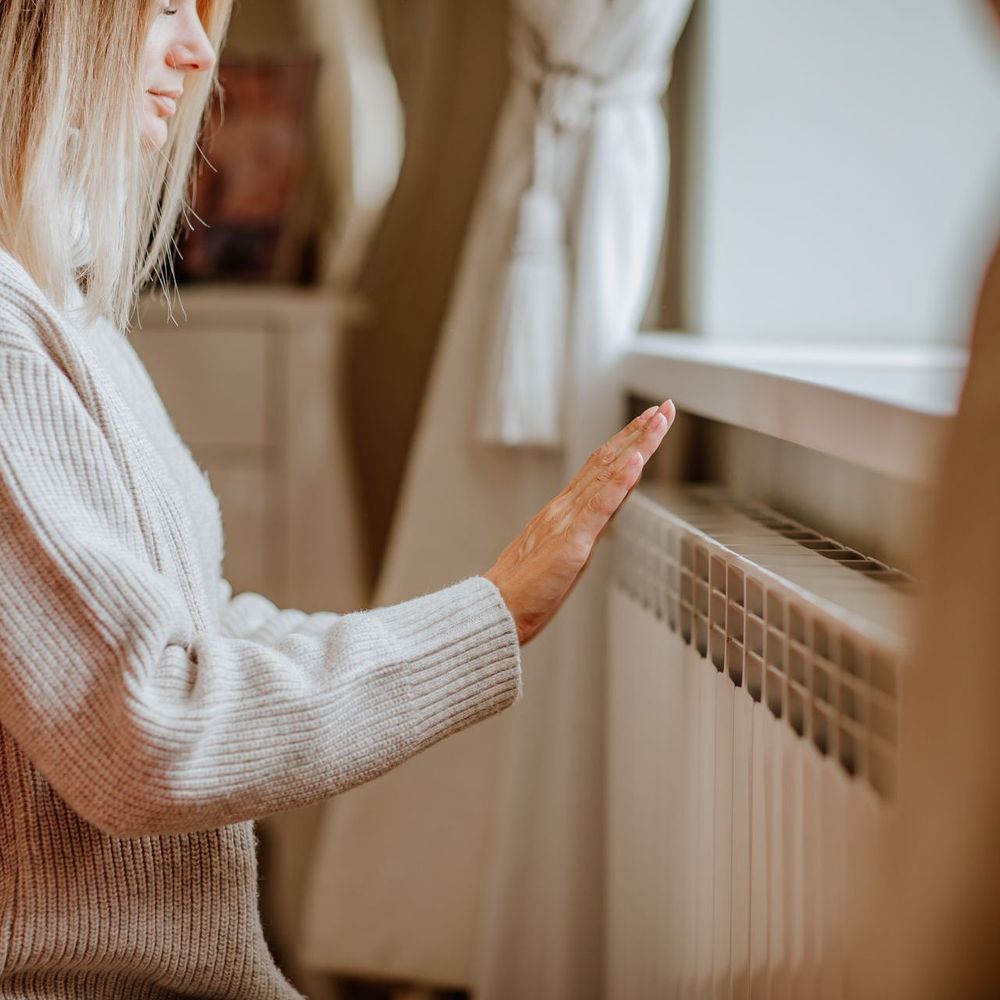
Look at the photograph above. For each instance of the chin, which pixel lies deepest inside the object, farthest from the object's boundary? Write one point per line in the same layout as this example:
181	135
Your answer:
154	134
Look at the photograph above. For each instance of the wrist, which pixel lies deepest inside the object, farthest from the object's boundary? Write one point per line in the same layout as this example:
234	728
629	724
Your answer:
496	579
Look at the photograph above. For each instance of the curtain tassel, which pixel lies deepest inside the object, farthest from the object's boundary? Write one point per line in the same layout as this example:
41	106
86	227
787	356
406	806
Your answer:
523	404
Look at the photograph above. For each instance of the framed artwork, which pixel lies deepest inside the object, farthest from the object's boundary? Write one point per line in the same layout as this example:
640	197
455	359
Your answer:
255	197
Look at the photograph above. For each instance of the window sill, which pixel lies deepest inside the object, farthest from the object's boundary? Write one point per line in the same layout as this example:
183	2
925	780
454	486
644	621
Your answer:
883	408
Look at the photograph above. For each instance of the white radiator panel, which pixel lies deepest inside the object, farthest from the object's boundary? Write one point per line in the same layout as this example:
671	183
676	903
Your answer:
751	738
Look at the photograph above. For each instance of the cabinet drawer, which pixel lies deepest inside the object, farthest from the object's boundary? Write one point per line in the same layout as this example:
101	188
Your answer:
214	382
247	521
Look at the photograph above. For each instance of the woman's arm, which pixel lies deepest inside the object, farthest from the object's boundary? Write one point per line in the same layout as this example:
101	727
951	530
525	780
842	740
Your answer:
146	722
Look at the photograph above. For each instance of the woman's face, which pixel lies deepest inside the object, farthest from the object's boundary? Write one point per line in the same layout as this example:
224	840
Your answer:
175	47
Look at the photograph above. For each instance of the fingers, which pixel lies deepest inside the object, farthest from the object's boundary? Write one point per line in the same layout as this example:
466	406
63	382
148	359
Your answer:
601	496
606	496
634	430
642	433
649	437
633	427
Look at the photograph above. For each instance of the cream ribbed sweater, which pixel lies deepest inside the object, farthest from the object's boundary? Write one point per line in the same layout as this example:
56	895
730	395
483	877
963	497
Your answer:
146	714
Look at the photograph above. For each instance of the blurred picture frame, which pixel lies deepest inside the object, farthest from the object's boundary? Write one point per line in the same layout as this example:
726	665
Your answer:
256	195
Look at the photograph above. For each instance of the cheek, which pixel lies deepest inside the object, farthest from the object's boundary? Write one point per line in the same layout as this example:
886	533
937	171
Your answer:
154	54
148	69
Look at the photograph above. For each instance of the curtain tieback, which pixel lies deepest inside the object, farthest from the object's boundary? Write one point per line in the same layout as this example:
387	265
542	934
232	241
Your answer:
522	401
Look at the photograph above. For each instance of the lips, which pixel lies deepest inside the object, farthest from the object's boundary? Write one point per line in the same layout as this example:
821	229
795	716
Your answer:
166	101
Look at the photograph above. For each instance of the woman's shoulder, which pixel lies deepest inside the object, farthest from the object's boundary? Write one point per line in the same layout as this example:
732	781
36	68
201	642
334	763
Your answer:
22	302
28	316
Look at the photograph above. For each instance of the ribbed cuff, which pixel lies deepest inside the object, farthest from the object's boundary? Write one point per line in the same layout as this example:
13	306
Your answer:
466	658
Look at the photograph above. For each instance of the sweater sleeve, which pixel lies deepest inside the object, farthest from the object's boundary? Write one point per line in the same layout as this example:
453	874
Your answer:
145	723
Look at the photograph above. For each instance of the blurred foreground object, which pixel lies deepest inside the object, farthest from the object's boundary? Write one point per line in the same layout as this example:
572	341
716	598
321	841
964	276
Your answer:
934	921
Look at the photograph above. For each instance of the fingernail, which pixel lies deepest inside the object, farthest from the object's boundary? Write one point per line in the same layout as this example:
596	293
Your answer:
659	421
648	413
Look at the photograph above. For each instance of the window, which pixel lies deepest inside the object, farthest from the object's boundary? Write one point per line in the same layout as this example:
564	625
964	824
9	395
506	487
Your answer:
833	202
834	170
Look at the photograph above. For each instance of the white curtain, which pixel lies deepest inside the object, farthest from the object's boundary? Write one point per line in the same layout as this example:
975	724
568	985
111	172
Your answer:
359	126
479	863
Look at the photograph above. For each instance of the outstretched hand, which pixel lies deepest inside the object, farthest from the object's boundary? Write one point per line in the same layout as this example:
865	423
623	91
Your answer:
537	571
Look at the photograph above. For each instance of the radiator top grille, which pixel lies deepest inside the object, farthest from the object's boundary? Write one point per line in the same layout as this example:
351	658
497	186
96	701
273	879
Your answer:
806	625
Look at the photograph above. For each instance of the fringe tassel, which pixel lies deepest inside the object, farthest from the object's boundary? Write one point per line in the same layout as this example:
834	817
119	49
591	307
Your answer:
523	401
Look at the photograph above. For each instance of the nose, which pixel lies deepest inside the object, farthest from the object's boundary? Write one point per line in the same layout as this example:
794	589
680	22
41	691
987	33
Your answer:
192	53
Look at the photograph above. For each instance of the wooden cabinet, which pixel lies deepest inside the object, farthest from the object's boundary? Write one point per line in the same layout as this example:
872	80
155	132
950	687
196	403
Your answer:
252	378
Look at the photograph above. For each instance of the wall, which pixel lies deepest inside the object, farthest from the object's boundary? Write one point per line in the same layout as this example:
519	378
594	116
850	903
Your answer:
838	164
259	23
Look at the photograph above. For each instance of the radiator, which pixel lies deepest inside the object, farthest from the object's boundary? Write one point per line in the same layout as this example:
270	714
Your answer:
752	728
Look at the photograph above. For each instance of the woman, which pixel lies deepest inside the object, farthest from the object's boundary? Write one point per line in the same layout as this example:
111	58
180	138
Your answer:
146	714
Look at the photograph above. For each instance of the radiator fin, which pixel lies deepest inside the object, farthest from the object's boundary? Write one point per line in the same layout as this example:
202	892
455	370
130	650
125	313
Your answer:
753	725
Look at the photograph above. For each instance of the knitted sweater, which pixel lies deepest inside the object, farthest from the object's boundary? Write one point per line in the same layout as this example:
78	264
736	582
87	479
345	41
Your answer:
146	713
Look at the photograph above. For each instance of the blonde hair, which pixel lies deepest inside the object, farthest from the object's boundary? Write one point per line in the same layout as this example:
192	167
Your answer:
70	128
